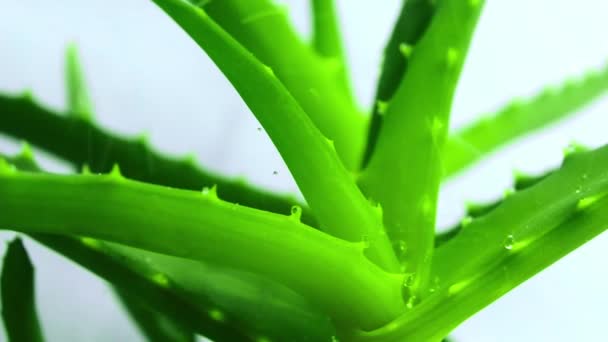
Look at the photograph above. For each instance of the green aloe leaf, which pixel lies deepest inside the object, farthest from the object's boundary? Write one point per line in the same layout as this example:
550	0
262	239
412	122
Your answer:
412	22
527	232
216	302
18	296
276	246
404	171
263	28
521	117
146	288
81	143
477	210
155	326
327	40
78	99
326	184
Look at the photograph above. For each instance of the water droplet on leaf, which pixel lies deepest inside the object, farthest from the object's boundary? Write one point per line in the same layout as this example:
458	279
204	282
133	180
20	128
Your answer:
452	57
411	302
381	107
408	281
406	49
216	315
509	242
161	279
466	221
296	212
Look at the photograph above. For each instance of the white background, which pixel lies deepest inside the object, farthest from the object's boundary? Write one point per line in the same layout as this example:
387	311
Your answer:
146	75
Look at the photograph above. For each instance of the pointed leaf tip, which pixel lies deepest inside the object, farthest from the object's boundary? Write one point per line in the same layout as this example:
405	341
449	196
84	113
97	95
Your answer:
210	193
78	100
574	148
26	152
85	170
115	172
28	95
18	297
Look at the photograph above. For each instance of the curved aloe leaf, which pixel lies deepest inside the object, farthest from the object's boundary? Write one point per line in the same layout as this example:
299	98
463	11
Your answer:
581	181
249	306
326	184
476	210
526	233
236	298
130	281
215	302
18	298
184	222
80	142
413	20
262	27
521	117
404	171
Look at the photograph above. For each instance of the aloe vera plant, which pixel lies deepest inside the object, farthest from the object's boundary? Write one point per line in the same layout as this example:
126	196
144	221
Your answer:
193	253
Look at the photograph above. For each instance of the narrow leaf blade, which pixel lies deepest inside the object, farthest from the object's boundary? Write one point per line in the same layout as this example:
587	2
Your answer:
78	99
521	117
18	297
412	22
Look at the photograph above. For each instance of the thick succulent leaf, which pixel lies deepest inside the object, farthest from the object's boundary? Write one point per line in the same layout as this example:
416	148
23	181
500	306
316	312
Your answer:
236	298
413	20
404	171
521	117
326	184
82	143
526	215
476	210
219	303
203	227
18	297
245	303
263	28
526	233
130	280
